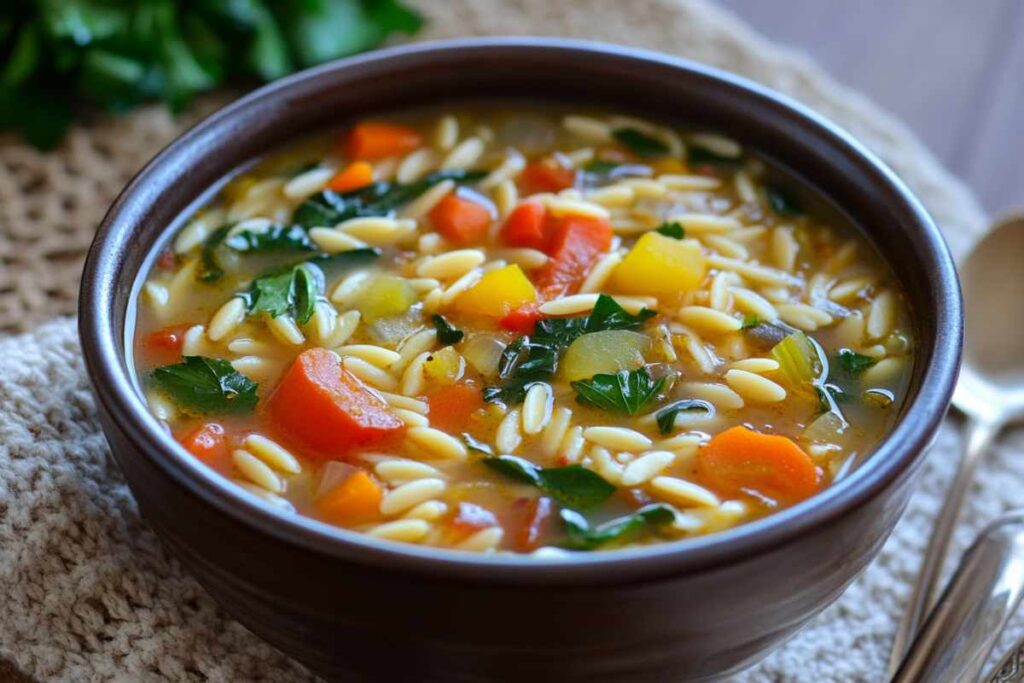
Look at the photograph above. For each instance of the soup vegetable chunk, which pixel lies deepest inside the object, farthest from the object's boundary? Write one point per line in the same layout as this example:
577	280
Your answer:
523	331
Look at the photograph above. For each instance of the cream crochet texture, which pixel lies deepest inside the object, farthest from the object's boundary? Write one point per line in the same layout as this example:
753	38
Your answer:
90	594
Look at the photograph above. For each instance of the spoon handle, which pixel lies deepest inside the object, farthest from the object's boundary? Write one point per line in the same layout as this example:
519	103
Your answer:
978	436
955	641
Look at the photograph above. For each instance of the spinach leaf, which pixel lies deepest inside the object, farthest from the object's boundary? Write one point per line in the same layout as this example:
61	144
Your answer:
446	332
666	417
626	391
333	265
581	536
829	394
210	269
702	156
607	314
573	486
854	364
597	171
640	143
276	238
206	385
782	201
673	229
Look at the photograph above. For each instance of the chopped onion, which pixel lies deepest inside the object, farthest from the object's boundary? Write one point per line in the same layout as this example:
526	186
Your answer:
334	473
483	352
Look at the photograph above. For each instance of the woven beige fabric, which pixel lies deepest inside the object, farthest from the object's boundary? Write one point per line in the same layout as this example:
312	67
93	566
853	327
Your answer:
89	593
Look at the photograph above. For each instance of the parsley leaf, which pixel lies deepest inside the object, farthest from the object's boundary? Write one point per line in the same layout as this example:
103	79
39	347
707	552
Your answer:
750	320
673	229
854	364
275	238
573	486
626	391
782	201
581	536
666	417
211	269
206	385
640	143
446	332
701	156
598	171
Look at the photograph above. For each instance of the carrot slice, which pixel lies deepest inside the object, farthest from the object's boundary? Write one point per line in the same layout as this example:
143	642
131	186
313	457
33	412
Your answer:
575	242
352	177
461	220
326	410
355	500
525	226
545	177
373	140
538	524
208	442
451	407
522	320
469	518
163	347
740	461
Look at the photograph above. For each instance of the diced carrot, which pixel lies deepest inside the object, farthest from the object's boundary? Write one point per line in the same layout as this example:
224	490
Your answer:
525	226
470	518
522	320
355	500
163	347
741	461
461	220
545	177
576	241
209	443
373	140
352	177
538	522
327	411
452	406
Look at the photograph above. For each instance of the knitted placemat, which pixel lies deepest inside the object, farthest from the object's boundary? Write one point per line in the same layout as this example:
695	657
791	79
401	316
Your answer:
91	595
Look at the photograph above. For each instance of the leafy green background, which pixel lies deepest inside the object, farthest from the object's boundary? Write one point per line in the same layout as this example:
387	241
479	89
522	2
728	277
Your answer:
59	58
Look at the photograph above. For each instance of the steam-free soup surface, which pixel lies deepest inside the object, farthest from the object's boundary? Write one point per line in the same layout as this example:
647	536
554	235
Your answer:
504	329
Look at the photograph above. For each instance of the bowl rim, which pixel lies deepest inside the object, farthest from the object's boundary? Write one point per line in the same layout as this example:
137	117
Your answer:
900	452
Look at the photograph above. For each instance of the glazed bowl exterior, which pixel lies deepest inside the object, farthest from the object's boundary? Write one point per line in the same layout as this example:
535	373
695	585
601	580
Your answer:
351	607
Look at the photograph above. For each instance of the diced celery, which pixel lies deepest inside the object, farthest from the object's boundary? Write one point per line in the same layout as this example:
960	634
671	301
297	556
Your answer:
604	352
798	359
384	296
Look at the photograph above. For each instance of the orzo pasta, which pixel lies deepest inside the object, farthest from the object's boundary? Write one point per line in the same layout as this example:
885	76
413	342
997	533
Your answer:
505	330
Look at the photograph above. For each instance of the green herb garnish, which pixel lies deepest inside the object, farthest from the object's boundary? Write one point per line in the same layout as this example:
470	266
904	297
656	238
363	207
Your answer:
782	201
674	230
275	238
666	417
581	536
446	332
750	320
854	364
640	143
211	269
206	385
700	156
626	391
62	58
573	486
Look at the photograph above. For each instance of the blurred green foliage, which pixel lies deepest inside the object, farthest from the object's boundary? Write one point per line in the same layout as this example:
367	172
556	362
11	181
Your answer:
60	57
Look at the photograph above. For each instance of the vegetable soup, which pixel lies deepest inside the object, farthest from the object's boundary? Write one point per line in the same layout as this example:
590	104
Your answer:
523	330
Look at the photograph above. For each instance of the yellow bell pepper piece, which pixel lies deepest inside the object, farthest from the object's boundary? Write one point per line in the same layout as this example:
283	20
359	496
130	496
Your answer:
498	292
658	265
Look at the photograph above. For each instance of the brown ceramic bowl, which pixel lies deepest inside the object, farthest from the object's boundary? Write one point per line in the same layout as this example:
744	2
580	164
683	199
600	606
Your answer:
349	606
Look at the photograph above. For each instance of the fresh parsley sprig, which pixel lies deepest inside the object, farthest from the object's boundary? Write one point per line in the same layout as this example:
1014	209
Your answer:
573	486
626	391
203	386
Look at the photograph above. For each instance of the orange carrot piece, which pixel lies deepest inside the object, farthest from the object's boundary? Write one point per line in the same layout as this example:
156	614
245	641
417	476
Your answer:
373	140
327	411
545	177
739	461
163	347
469	518
208	442
525	226
461	220
537	524
452	406
355	500
352	177
575	242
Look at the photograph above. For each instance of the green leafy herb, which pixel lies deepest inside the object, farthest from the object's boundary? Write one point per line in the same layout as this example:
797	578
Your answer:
854	364
211	269
626	391
329	208
206	385
666	417
640	143
275	238
599	171
750	320
700	156
581	536
573	486
446	332
535	357
674	230
65	57
474	444
601	167
830	394
782	201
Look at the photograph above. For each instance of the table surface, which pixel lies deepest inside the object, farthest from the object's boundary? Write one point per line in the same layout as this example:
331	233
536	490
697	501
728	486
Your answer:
952	70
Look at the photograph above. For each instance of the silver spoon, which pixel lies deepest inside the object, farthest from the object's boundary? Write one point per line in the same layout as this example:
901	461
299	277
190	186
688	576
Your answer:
990	392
